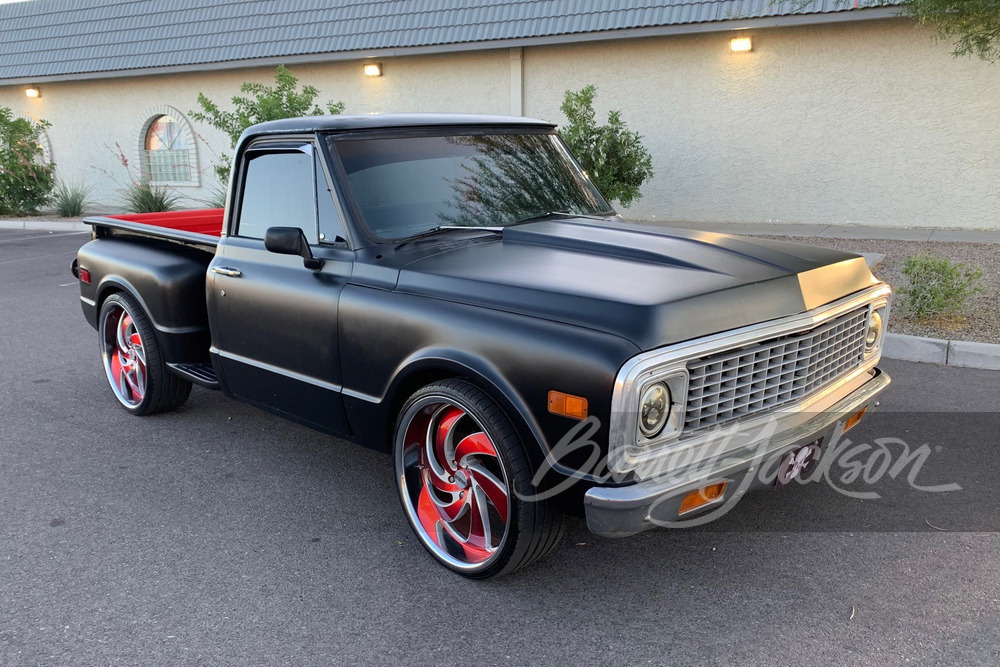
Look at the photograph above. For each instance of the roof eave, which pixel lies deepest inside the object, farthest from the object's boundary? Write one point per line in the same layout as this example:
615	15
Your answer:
817	18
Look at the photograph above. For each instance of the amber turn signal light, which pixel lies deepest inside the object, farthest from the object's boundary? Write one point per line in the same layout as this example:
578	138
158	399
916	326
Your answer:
854	419
567	405
703	496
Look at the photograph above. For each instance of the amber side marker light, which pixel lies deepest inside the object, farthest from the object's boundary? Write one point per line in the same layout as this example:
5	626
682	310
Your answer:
853	420
567	405
701	497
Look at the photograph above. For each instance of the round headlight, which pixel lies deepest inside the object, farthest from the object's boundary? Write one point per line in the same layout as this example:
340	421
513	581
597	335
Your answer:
874	330
654	408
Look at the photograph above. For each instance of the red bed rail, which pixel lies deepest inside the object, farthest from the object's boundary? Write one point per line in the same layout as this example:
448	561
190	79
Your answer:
207	221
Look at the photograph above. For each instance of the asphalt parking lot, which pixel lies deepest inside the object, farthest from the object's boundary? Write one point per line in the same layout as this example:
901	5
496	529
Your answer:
222	535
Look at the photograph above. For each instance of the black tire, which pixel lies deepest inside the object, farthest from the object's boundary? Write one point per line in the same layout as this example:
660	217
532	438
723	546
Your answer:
531	528
161	389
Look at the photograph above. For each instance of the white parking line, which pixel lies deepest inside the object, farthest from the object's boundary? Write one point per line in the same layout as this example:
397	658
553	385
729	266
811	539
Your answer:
68	284
43	236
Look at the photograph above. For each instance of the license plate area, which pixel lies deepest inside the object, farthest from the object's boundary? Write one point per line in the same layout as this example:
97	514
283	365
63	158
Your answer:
797	463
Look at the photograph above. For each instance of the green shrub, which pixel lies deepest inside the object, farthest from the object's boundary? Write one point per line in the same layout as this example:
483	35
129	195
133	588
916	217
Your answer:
70	199
26	180
143	197
613	156
937	286
260	103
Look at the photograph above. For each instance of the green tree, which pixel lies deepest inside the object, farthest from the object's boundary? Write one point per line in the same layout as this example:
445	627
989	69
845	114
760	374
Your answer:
973	26
612	155
26	179
259	103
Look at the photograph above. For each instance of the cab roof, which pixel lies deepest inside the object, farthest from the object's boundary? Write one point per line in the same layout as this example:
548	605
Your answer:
374	121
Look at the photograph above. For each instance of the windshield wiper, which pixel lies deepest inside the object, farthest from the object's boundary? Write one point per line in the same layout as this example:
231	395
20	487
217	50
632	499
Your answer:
449	228
541	216
558	214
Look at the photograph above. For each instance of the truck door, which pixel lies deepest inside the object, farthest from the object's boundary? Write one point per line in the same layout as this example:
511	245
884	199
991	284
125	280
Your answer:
274	321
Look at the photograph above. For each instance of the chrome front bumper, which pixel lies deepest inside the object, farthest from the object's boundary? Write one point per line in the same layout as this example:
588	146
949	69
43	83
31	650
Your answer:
655	502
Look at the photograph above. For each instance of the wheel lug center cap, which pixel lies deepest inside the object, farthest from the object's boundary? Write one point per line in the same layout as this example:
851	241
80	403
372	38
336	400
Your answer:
461	478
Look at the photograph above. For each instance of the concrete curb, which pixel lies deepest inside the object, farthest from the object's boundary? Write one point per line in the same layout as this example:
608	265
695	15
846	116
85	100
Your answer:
44	225
966	354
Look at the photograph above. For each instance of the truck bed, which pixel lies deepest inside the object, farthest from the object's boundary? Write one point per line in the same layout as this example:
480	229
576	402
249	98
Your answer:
201	227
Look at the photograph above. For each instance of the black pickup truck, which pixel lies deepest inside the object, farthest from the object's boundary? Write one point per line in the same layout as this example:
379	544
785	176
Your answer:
454	290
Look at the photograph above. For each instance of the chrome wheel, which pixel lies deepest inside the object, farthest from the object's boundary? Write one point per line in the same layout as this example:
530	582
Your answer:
124	356
453	483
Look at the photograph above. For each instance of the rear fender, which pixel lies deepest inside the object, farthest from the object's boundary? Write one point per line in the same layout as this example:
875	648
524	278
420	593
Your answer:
167	280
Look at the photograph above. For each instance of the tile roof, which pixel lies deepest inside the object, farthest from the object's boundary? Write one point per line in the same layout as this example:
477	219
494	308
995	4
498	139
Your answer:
51	38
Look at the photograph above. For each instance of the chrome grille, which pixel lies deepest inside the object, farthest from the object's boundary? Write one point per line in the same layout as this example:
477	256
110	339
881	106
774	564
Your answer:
734	384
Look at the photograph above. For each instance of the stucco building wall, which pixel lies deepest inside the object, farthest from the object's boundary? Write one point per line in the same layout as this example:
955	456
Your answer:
868	123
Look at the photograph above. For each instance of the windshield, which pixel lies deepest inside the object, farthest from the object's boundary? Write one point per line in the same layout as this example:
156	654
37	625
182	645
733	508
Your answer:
408	185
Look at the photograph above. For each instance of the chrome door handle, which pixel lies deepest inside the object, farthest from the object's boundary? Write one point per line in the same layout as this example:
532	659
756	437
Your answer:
226	271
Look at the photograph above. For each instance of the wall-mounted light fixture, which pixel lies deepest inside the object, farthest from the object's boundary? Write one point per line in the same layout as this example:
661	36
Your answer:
373	69
740	44
32	91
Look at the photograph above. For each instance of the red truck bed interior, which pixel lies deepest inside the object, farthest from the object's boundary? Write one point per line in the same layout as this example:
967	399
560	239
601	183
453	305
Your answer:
206	221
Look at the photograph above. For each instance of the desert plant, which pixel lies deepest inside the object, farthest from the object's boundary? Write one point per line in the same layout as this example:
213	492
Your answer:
612	155
937	286
143	197
260	103
26	179
138	194
71	198
216	197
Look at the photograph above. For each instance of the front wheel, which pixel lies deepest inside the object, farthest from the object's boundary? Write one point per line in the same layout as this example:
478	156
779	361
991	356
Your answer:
462	472
138	376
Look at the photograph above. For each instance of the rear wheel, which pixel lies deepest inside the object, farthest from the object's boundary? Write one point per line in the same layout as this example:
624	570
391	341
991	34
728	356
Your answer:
461	471
132	362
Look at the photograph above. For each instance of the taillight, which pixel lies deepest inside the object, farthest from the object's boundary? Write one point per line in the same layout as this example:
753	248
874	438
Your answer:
84	275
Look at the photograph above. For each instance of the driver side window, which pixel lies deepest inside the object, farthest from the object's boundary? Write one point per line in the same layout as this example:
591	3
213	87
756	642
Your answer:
278	191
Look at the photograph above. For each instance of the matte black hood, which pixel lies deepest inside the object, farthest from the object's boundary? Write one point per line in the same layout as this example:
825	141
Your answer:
648	284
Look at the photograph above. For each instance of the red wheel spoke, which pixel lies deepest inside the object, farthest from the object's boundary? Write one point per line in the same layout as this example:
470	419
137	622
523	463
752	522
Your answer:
116	365
477	443
427	515
492	487
442	436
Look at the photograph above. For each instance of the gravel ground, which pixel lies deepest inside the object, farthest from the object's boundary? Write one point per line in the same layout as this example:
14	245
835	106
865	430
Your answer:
982	322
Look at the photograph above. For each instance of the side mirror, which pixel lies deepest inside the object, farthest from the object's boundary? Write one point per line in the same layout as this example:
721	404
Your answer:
291	241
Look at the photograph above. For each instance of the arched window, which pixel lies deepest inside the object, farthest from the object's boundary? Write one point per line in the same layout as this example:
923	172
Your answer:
168	150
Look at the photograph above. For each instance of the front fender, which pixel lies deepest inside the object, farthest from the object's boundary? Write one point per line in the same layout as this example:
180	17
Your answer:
392	344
